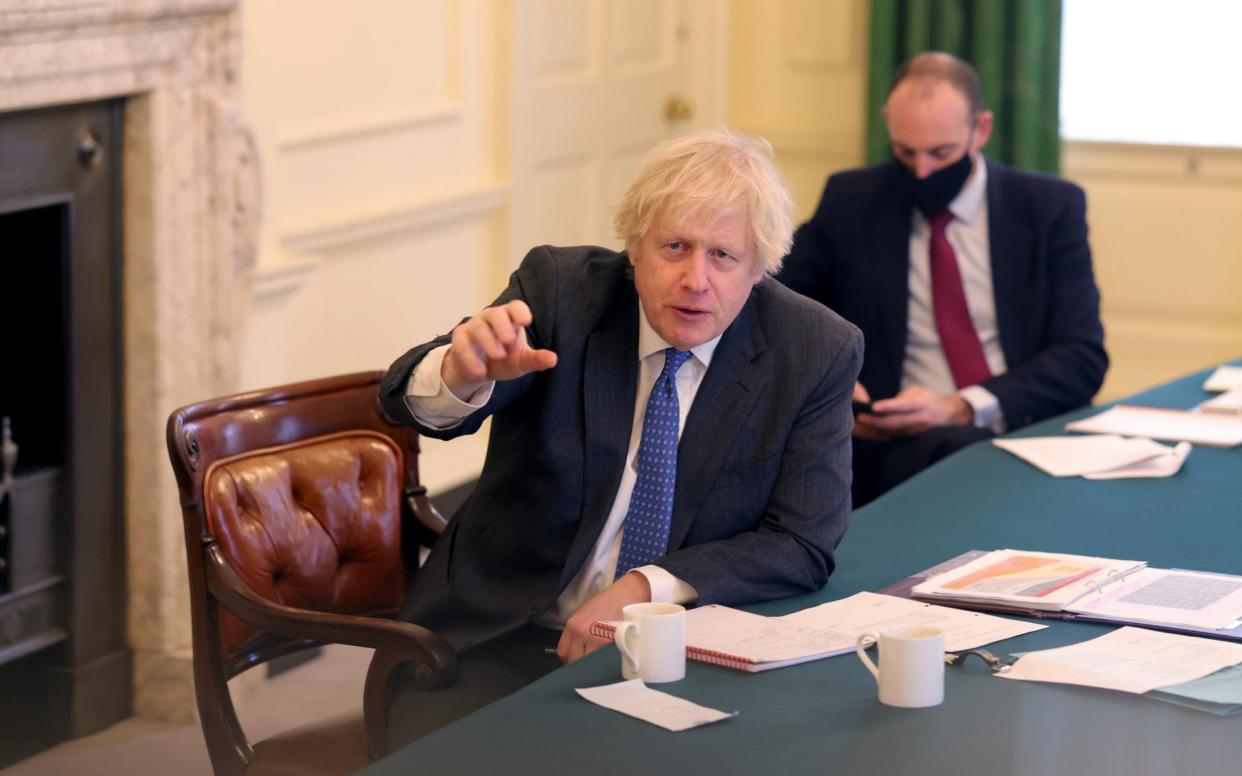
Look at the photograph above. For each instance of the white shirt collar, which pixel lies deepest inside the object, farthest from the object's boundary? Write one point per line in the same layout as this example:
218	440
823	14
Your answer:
650	342
966	205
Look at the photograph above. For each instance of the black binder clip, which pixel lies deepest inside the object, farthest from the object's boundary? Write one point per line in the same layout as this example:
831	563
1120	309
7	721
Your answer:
997	665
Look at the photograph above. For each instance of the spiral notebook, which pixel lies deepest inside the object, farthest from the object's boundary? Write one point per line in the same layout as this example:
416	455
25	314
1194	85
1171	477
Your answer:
735	639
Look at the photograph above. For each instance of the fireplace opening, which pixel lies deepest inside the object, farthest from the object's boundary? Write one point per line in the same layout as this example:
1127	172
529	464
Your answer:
64	662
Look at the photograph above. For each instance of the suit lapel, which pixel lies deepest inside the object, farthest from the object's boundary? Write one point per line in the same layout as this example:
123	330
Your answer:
609	381
1009	241
723	402
889	255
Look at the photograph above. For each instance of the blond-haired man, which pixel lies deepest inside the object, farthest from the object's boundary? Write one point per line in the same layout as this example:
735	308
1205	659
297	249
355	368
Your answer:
671	391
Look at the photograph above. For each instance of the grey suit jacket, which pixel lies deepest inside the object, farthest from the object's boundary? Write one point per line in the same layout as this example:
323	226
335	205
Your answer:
763	478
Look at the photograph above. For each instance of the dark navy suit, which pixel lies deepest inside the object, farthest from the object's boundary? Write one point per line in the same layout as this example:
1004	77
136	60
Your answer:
853	256
763	478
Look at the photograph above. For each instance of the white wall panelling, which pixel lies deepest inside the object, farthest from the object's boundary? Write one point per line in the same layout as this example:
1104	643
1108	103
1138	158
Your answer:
1166	231
382	126
821	33
797	76
590	82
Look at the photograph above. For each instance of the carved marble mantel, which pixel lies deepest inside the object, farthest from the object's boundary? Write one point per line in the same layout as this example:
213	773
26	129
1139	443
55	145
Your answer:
190	213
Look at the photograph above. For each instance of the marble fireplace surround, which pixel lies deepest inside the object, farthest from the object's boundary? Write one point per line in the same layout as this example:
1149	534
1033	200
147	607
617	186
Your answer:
190	196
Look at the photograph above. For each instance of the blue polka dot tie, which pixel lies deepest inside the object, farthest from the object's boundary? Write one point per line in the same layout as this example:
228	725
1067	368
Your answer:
645	534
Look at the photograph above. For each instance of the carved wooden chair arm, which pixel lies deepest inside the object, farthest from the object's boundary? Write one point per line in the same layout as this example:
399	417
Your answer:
395	643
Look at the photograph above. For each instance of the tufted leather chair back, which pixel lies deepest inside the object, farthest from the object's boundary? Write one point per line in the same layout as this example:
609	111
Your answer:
314	524
305	496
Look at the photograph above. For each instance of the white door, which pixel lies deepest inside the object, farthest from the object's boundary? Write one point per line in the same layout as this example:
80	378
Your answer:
596	84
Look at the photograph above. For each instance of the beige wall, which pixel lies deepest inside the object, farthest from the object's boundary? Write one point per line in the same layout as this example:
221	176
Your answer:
1166	223
1166	230
380	126
384	130
797	76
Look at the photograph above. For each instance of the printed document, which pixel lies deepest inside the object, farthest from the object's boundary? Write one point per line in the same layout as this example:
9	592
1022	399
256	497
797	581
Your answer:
637	700
865	612
1201	428
1168	597
1225	378
1023	579
1074	456
1133	660
1227	403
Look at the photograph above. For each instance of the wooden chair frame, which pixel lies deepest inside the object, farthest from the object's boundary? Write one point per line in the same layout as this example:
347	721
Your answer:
270	418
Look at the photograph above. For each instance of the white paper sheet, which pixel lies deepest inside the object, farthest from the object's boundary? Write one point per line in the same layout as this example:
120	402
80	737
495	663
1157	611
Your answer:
637	700
1171	425
761	639
1161	466
863	612
1128	659
1072	456
1225	378
1227	403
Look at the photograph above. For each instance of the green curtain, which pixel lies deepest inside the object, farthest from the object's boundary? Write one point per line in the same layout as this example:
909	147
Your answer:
1014	45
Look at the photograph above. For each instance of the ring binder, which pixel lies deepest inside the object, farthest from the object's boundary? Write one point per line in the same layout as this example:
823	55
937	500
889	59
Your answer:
1113	575
1216	614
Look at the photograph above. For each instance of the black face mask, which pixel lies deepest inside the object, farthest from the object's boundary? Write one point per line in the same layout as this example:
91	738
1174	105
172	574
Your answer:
933	194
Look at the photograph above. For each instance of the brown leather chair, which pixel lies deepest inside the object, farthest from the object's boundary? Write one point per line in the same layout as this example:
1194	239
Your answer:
303	519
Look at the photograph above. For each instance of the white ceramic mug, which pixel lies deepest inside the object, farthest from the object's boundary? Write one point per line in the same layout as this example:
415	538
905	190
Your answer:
652	640
911	671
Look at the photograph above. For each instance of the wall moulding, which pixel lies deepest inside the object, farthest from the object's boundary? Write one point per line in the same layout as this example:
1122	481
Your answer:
330	237
32	17
274	285
820	34
1151	163
825	143
448	106
349	129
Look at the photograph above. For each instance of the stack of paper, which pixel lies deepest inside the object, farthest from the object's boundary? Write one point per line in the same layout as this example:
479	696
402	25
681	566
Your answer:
1171	425
1103	456
1225	378
1128	659
1227	403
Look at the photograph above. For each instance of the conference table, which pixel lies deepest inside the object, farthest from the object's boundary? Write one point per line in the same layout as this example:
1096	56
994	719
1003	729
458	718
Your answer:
823	717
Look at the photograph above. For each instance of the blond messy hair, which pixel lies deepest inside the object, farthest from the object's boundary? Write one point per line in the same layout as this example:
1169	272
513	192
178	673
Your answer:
691	177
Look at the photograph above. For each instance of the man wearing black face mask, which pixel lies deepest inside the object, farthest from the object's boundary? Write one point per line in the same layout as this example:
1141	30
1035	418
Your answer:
971	282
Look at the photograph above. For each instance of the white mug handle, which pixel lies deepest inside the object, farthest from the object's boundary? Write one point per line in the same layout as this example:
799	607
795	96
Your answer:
860	646
621	637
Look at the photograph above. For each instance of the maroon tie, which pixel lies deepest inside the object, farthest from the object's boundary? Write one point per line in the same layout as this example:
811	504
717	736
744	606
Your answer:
957	332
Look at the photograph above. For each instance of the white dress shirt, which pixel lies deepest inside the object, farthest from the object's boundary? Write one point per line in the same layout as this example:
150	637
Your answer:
925	363
434	405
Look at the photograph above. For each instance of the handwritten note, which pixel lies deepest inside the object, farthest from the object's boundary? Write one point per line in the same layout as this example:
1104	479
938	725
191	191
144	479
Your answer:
635	699
761	639
865	612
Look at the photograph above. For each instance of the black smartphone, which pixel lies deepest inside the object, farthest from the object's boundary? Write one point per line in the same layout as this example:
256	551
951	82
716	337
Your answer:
860	406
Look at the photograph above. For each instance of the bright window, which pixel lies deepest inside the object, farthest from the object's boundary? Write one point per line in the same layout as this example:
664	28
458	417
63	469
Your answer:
1152	71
